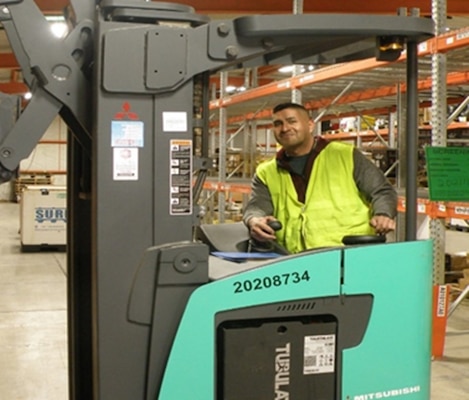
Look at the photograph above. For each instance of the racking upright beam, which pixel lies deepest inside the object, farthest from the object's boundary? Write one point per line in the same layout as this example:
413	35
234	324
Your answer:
296	95
222	149
437	227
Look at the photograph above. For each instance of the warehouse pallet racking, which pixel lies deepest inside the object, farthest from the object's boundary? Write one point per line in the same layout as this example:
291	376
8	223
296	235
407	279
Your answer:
371	87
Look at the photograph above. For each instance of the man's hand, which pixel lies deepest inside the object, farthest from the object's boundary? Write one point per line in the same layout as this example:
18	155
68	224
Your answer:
383	224
259	230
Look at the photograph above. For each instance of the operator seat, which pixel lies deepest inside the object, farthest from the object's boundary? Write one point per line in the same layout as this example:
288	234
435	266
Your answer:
233	237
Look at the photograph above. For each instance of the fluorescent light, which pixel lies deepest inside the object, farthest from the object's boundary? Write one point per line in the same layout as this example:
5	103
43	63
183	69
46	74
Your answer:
58	25
286	69
233	89
59	29
55	18
289	68
27	95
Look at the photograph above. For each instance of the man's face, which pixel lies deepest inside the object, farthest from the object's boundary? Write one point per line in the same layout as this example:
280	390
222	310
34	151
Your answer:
293	131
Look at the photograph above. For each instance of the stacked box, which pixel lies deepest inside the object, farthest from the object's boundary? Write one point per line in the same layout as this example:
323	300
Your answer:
43	218
464	281
456	261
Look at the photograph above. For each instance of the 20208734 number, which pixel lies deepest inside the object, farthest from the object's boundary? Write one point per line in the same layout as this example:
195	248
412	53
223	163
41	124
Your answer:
268	282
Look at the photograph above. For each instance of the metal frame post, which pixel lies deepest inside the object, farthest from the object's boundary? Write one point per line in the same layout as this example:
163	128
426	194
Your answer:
439	122
222	149
411	141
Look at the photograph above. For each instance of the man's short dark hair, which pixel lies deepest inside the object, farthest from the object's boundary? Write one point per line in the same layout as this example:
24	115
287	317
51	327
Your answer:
283	106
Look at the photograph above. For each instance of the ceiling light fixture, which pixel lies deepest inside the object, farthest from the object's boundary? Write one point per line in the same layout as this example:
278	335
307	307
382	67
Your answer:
234	89
58	25
286	69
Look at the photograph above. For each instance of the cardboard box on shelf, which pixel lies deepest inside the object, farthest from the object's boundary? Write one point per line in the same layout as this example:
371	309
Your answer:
463	282
456	261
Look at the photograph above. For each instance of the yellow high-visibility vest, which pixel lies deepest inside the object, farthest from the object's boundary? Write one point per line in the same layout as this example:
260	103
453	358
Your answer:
333	206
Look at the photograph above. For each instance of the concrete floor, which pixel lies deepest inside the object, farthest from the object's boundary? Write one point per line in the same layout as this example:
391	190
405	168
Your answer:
33	334
33	318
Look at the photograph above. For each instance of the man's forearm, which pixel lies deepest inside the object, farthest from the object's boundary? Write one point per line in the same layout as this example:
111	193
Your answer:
260	202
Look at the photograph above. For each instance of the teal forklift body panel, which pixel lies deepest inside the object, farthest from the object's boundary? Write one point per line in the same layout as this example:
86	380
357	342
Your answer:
394	356
193	352
392	360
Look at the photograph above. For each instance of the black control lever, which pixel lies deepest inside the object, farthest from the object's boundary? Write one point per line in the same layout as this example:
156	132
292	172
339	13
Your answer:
275	225
271	245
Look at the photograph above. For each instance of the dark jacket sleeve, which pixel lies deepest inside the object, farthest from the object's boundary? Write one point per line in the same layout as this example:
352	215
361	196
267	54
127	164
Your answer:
260	201
376	188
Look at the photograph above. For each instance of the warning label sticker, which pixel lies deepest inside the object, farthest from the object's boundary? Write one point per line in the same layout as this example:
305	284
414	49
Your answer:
125	164
180	177
319	354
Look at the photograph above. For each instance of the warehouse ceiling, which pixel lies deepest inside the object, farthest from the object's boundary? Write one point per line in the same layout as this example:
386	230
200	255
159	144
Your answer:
319	95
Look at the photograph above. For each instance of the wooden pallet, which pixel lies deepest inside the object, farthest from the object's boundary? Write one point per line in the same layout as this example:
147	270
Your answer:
27	180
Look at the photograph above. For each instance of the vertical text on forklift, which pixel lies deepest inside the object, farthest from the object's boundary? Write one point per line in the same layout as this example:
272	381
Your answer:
282	372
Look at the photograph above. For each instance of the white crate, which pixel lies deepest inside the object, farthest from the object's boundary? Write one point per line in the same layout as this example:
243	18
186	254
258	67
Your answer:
43	218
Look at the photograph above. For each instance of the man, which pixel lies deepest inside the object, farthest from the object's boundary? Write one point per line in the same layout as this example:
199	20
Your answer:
320	191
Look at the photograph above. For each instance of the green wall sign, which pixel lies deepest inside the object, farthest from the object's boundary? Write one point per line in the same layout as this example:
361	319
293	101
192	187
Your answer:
448	173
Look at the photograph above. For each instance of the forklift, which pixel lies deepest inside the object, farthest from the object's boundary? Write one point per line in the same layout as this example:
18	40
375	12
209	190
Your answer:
151	313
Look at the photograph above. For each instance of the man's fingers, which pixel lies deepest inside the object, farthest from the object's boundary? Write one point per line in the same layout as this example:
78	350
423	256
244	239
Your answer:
261	231
383	224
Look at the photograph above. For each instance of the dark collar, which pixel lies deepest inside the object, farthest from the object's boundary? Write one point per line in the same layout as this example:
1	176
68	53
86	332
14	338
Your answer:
283	159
